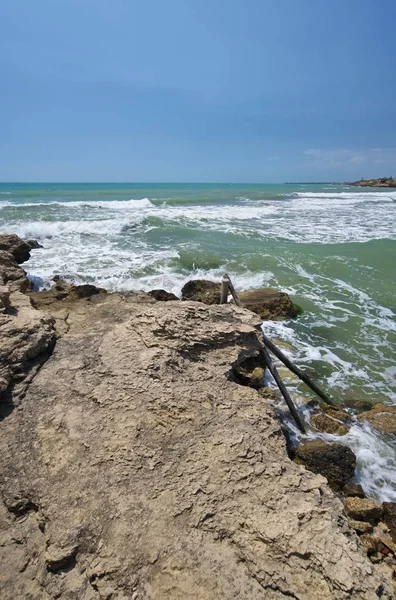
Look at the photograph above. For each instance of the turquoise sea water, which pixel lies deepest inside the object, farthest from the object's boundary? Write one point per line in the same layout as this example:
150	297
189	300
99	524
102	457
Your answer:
331	247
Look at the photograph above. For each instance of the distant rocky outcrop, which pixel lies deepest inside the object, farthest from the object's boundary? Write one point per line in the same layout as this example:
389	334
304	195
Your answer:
384	182
135	466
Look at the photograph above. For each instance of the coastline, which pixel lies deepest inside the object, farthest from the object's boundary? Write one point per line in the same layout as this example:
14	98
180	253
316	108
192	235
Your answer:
125	398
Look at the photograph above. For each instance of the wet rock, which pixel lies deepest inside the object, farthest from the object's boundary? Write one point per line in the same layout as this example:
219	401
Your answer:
358	404
33	244
354	489
363	509
163	295
201	290
13	244
336	413
389	509
327	424
381	417
270	304
335	461
360	526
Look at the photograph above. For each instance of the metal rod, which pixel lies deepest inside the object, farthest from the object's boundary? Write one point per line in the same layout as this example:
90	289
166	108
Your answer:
275	350
274	372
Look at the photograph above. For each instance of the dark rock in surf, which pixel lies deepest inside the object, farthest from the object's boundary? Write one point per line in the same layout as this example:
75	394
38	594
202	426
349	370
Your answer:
13	244
335	461
163	295
33	244
270	304
354	489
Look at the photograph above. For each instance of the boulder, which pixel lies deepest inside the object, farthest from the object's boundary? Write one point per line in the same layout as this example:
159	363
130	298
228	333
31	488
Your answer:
270	304
201	290
12	274
324	423
381	417
335	461
389	509
85	290
358	403
163	295
363	509
354	489
33	244
336	413
13	244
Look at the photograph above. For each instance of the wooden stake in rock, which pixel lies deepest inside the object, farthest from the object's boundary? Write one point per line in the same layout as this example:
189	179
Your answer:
274	372
279	354
224	289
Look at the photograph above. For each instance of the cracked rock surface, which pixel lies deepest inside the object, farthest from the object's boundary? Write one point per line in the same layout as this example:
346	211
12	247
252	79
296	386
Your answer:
134	468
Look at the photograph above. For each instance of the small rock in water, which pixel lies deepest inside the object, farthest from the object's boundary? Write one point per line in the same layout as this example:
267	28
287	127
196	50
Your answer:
327	424
270	304
201	290
382	417
363	509
354	489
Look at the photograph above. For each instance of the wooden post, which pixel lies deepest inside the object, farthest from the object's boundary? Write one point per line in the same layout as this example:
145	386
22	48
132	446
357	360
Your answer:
224	289
233	291
274	372
275	350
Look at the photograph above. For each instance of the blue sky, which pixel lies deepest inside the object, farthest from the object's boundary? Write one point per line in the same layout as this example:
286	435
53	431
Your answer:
197	90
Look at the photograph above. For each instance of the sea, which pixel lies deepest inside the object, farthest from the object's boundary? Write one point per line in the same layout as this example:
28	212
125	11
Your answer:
332	247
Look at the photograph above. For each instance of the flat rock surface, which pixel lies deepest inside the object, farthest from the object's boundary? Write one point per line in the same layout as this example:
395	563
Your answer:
135	469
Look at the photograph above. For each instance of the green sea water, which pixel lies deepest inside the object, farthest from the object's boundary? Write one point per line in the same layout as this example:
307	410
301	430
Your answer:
331	247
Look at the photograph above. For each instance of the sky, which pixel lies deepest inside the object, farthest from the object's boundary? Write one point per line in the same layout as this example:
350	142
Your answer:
197	90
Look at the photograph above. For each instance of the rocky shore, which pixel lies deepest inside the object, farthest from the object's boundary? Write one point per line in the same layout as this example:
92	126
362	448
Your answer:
141	458
384	182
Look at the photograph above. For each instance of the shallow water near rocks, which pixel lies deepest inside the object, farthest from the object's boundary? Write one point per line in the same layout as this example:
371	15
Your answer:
331	247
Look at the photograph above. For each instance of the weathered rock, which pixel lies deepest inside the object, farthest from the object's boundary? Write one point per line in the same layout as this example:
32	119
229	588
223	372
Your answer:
27	337
176	477
327	424
354	489
163	295
268	303
389	509
372	543
335	461
13	244
200	290
336	413
360	526
4	297
363	509
12	275
381	417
